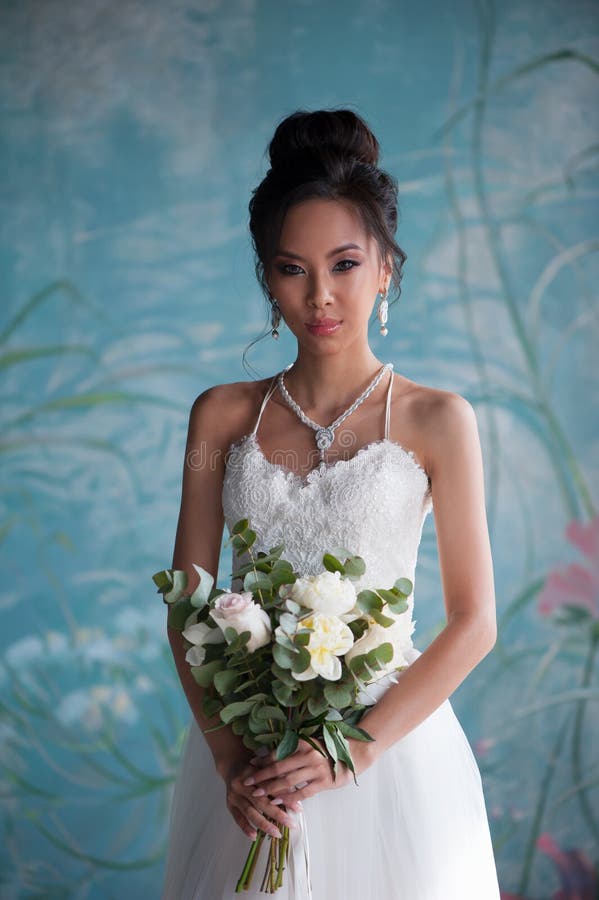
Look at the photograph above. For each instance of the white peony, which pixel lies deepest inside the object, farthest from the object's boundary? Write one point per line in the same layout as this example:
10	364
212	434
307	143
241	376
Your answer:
330	638
326	593
240	612
199	634
398	635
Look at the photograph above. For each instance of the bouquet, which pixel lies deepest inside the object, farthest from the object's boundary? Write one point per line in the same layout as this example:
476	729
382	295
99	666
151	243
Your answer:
288	656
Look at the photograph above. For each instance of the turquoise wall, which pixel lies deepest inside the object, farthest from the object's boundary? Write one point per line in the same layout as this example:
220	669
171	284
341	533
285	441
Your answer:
132	135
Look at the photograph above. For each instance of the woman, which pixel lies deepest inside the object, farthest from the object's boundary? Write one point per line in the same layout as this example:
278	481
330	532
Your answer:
415	827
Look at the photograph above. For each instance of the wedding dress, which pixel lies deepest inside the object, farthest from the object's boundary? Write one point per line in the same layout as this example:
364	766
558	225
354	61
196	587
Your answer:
415	827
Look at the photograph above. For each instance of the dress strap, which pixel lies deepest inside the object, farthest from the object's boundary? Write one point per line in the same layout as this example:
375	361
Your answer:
388	406
268	394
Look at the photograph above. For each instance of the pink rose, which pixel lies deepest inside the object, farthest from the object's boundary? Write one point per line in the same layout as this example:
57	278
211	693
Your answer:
240	612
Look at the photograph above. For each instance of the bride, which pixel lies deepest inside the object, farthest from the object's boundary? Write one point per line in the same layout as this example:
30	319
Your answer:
339	449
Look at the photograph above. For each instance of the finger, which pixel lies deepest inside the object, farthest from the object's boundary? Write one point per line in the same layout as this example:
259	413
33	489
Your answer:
243	823
285	784
272	770
256	818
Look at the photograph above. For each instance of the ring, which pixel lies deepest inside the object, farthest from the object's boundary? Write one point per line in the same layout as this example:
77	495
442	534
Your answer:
301	785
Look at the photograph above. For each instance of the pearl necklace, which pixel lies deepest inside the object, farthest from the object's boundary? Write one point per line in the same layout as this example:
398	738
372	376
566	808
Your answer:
325	434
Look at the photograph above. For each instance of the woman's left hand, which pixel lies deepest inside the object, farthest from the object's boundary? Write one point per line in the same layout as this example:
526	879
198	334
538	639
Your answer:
305	767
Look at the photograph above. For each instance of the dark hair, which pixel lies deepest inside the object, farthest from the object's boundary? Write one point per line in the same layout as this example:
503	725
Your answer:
330	154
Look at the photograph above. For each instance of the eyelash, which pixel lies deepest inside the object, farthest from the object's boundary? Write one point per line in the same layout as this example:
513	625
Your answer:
354	263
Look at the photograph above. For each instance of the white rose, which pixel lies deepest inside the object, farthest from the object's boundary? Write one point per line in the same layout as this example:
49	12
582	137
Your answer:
398	635
330	638
199	634
326	593
239	611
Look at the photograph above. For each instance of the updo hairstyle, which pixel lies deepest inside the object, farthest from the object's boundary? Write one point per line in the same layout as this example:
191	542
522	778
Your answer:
326	154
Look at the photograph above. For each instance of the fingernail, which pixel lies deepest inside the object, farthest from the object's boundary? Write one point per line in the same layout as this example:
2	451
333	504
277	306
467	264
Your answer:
276	833
258	792
249	781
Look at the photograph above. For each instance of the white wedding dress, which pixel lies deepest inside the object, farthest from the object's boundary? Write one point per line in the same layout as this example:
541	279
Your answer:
415	827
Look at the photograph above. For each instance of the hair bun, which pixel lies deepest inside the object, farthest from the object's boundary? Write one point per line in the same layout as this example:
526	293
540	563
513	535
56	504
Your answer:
316	134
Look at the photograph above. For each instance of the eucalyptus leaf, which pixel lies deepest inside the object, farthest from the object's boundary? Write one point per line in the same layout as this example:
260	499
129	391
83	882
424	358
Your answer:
288	745
225	680
337	695
204	675
282	656
381	618
404	585
178	613
368	600
200	596
233	710
282	692
257	582
240	526
301	661
354	732
272	712
332	564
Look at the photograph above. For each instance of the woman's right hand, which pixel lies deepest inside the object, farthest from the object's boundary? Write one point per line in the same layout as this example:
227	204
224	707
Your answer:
249	812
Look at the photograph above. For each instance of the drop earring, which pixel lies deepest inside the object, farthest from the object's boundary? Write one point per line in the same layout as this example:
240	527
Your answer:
275	319
382	311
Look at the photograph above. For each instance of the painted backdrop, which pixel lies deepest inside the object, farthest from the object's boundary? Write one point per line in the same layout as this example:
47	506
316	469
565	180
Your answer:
132	135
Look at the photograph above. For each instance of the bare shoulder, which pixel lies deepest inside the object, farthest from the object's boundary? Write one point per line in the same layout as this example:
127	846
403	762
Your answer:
441	423
222	411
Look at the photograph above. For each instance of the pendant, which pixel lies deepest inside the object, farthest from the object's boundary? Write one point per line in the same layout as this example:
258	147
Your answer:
324	438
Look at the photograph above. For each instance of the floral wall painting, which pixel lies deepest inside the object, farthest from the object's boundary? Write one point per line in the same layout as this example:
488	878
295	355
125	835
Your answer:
132	136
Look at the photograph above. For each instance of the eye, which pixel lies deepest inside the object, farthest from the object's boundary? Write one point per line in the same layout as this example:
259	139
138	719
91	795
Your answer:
284	268
352	264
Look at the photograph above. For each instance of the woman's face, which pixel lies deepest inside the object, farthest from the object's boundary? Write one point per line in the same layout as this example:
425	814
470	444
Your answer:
326	267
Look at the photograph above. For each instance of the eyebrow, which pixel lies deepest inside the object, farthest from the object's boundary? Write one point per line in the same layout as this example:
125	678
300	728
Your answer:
332	253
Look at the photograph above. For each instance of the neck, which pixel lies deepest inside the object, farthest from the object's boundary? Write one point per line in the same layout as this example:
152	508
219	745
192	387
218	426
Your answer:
323	385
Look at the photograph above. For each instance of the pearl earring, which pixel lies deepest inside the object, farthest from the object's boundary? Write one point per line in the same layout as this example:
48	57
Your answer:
382	311
275	319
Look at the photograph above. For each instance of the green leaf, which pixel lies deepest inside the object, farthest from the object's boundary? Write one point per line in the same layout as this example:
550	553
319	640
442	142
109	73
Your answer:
353	732
244	540
210	705
268	737
293	607
317	705
225	680
163	580
282	656
368	600
234	710
331	746
272	712
404	586
288	623
240	526
281	692
398	607
355	566
179	612
337	695
381	618
200	596
288	745
283	674
384	653
301	661
332	564
257	582
204	675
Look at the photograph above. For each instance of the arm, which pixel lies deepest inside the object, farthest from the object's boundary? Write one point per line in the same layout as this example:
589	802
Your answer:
198	540
466	567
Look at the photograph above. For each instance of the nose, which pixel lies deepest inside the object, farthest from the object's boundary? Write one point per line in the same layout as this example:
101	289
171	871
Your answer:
319	292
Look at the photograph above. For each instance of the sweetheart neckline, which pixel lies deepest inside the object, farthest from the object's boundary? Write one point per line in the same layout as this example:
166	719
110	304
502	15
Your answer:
312	476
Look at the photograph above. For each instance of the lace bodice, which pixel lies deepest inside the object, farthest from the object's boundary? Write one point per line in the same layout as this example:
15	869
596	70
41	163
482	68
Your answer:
373	504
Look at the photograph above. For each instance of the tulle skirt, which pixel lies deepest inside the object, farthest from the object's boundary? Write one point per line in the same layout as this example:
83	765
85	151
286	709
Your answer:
415	827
